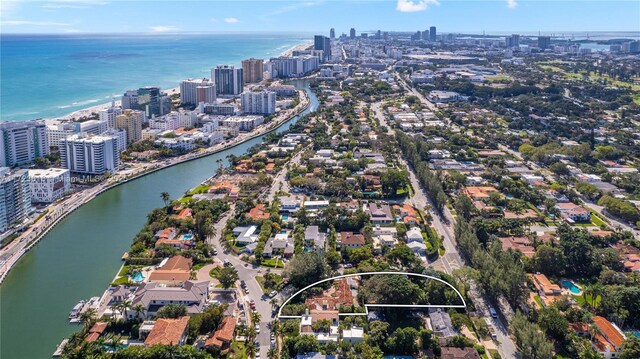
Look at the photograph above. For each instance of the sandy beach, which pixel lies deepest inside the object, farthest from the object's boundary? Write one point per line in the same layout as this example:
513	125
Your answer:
89	111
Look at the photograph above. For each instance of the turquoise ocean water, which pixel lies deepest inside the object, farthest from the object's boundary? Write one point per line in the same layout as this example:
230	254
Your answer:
44	76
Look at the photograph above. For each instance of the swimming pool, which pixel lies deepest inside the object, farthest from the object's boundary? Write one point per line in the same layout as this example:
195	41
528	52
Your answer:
571	286
285	217
138	277
187	237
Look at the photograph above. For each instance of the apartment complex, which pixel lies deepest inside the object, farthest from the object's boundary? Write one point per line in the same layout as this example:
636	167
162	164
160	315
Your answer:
48	185
91	155
15	197
258	103
192	92
131	121
228	79
252	70
22	142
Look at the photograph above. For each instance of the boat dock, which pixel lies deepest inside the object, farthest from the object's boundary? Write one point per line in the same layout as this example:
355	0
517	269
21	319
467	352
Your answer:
60	347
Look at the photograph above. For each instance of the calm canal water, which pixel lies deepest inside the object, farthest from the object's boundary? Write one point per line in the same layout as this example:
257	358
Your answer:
80	256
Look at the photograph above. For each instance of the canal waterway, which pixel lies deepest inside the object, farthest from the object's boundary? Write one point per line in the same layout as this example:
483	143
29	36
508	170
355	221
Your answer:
79	257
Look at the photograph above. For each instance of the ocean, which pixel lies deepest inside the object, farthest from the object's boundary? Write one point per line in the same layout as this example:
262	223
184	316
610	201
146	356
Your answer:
47	76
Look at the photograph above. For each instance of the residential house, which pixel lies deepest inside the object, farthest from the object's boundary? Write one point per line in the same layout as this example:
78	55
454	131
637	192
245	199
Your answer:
222	337
308	320
459	353
153	296
440	322
353	335
609	339
289	204
544	286
408	214
351	240
258	213
332	298
245	235
479	192
168	332
282	244
315	205
414	235
175	271
96	331
572	212
314	238
380	214
522	244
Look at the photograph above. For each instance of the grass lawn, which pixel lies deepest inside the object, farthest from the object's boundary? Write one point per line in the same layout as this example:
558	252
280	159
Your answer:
121	280
537	299
237	351
596	220
200	189
494	353
8	239
581	299
272	262
260	279
213	273
123	271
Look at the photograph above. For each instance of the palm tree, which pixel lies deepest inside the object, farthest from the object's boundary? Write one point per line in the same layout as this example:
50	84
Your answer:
114	308
251	348
255	317
272	353
87	317
140	310
124	306
166	198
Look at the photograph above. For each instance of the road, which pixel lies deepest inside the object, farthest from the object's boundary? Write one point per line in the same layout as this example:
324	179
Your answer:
246	272
430	105
279	182
452	259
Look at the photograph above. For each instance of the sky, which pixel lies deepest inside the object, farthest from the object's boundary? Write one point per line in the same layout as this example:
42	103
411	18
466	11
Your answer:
163	16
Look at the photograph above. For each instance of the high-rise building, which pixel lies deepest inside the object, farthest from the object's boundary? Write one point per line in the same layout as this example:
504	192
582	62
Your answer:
15	197
285	67
148	99
131	121
22	142
252	70
512	41
544	42
332	33
258	103
432	34
59	131
352	33
228	80
48	185
91	155
109	114
323	43
425	35
192	92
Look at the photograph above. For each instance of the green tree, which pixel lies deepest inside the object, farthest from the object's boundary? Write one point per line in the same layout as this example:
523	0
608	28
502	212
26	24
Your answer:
227	276
172	311
530	341
306	268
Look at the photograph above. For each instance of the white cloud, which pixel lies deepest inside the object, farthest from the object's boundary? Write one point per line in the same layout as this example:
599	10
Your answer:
231	20
163	28
512	4
415	5
33	23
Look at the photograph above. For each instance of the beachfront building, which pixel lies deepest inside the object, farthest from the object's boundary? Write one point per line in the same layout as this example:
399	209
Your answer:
228	79
192	92
22	142
150	100
131	121
91	155
15	197
109	114
48	185
285	67
258	103
252	70
59	131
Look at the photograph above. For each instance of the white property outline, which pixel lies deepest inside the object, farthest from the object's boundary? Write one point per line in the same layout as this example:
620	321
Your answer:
366	306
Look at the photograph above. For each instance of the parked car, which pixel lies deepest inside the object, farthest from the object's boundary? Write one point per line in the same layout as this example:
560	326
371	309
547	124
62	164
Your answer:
273	294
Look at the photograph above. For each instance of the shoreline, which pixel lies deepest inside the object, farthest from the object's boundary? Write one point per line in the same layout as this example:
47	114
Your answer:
89	111
93	192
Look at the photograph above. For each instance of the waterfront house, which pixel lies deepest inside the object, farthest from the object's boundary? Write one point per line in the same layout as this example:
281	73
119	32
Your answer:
153	296
175	271
96	331
168	332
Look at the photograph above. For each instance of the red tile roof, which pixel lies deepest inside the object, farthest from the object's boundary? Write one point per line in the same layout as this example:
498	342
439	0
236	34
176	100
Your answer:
611	333
167	331
224	334
258	212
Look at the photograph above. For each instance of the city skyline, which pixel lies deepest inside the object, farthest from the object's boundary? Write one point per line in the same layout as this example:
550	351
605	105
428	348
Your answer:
98	16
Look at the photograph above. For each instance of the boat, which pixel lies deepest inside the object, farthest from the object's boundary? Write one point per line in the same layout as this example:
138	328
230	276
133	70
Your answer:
75	312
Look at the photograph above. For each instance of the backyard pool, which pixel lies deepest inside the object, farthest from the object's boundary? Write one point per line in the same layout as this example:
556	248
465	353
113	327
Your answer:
571	286
285	217
187	237
138	277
